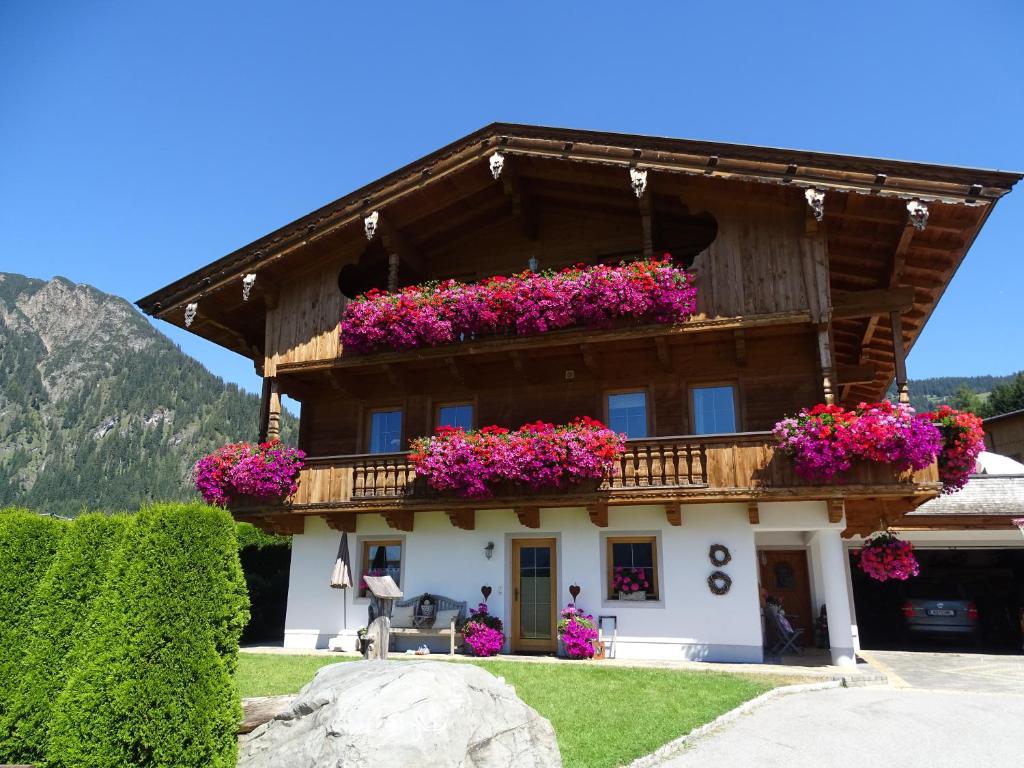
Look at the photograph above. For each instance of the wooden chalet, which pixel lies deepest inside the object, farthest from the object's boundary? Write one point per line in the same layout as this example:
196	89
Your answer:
815	276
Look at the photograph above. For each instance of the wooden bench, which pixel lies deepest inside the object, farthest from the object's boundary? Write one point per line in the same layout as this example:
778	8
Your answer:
423	619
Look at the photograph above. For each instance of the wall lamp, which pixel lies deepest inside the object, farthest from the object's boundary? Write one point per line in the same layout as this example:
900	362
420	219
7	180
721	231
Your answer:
489	550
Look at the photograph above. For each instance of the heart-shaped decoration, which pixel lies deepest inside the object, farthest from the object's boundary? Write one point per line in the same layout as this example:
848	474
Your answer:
574	590
486	592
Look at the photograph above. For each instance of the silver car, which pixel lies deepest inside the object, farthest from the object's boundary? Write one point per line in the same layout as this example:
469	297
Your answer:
939	608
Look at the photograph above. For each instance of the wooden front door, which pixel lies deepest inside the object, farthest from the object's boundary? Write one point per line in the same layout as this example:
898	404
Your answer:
534	587
784	574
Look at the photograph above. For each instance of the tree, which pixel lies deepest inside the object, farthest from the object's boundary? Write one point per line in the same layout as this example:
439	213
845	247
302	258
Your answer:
966	399
153	683
1005	398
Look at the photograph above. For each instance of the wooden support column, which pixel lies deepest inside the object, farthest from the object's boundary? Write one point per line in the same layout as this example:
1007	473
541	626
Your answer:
828	374
273	429
647	223
392	272
264	411
900	357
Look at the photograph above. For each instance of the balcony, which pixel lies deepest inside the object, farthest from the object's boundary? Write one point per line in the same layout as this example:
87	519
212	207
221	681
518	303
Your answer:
665	470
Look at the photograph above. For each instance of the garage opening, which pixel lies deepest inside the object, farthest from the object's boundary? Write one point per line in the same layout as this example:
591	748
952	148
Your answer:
982	610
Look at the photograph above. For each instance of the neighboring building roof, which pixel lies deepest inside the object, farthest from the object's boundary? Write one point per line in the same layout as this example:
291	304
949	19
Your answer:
989	463
1001	495
1002	416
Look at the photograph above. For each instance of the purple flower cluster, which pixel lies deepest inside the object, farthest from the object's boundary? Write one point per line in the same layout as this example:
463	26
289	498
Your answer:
483	632
525	304
266	470
825	440
538	455
577	632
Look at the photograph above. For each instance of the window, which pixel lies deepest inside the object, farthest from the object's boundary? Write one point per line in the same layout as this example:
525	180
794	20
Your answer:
632	560
385	431
627	413
455	415
714	410
380	558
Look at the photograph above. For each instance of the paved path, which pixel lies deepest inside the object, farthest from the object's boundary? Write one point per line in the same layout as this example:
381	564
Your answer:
975	672
860	726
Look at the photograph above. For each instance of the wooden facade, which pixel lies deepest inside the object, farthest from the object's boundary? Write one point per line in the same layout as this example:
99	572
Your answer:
815	274
1005	435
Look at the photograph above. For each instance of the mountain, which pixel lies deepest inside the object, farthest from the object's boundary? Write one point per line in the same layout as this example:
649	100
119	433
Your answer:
98	409
929	394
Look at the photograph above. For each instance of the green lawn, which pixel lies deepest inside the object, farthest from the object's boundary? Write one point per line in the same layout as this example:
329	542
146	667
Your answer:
604	716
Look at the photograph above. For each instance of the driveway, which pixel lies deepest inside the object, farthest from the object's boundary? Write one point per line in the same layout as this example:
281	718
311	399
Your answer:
840	727
974	672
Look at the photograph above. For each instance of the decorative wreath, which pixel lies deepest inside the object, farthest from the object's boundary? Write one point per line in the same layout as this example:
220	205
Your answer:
719	555
719	582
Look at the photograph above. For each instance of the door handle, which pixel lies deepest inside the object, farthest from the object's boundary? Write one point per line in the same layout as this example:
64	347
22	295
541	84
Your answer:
515	594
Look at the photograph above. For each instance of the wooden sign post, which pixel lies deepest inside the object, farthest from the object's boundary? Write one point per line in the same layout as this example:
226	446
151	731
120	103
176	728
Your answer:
383	593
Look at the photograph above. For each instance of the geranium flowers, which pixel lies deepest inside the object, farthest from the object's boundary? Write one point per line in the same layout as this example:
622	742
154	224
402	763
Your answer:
431	314
884	557
266	470
825	440
577	632
535	456
483	632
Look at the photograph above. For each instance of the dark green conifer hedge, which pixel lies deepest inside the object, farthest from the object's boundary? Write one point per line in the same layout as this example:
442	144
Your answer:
153	680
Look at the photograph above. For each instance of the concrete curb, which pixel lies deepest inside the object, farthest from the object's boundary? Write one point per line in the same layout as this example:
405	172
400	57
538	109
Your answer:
675	747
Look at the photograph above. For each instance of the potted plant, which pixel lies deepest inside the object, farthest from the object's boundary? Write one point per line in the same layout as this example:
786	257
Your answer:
240	475
578	633
483	633
630	583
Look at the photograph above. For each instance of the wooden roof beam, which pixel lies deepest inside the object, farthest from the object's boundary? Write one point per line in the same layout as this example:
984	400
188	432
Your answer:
523	204
856	374
868	303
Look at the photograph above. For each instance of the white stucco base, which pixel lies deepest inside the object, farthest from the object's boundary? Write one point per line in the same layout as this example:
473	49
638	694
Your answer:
688	622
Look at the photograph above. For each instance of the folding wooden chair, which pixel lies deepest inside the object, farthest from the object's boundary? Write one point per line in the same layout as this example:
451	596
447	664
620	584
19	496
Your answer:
785	636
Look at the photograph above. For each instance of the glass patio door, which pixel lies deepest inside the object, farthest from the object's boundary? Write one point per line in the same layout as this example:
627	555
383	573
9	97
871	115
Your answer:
534	584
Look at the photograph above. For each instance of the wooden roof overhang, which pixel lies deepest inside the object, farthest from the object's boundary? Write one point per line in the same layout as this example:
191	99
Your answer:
450	193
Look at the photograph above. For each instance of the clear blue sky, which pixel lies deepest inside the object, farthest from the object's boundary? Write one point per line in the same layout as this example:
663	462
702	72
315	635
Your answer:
140	141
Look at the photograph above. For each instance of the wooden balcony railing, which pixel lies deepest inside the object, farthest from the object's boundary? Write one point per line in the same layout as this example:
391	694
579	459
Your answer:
661	467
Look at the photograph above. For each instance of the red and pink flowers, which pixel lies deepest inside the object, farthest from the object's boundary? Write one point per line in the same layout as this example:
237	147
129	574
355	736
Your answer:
266	470
883	556
535	456
483	632
825	440
962	440
577	632
431	314
627	579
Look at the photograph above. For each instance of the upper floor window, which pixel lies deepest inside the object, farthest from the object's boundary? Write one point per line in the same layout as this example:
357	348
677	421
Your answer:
714	410
455	415
627	413
385	431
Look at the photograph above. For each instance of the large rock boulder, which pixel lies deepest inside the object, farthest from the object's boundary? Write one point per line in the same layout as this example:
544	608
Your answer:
386	714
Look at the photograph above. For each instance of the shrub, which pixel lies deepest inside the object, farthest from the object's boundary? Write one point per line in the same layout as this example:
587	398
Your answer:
28	542
56	616
153	681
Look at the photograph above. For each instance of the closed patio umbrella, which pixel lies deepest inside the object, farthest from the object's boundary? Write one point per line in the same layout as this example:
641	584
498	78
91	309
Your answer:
341	576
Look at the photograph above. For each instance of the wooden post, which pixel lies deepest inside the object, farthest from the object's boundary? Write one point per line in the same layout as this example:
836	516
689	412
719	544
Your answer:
273	430
900	358
383	593
392	272
827	366
264	410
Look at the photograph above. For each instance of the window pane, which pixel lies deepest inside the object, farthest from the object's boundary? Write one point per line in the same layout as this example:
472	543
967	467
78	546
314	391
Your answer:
385	431
456	416
635	561
627	413
714	410
381	559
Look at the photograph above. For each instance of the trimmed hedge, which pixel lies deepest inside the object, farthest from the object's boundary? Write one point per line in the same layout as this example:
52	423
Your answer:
28	542
154	680
57	617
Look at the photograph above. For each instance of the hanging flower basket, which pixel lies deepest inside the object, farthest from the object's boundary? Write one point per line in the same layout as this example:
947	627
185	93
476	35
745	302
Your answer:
884	556
244	475
539	456
825	441
526	304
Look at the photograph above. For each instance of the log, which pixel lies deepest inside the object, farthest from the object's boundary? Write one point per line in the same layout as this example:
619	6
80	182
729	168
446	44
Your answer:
262	709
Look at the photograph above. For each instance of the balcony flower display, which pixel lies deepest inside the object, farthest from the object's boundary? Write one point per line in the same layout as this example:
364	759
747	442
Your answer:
825	440
483	632
962	440
526	304
265	471
883	556
577	632
535	456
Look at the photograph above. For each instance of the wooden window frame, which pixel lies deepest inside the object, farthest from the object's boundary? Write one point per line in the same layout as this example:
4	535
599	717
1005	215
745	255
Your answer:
648	406
368	422
471	402
652	539
736	402
365	559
